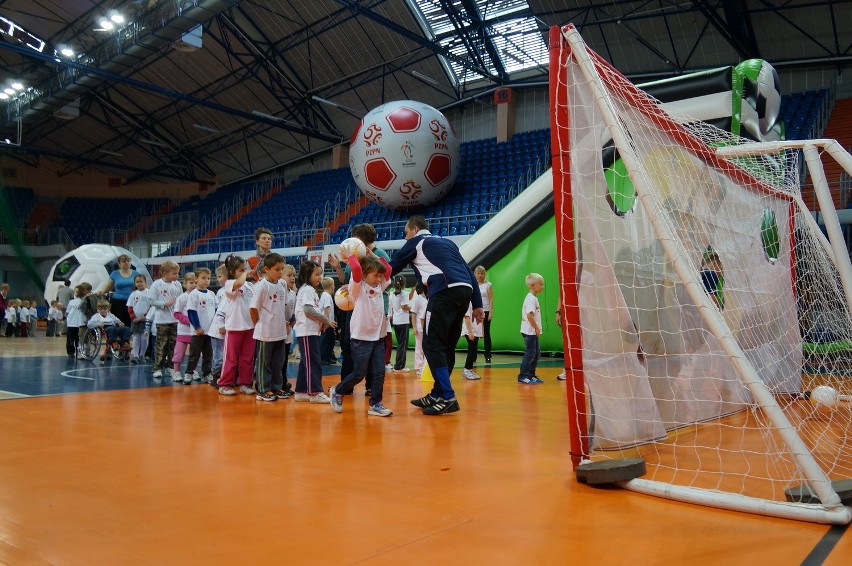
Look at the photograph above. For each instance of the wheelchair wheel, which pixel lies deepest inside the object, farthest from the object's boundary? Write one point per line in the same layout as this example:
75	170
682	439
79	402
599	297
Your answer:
90	344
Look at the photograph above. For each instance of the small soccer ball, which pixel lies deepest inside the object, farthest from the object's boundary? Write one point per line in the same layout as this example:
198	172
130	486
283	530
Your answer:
343	299
824	397
351	246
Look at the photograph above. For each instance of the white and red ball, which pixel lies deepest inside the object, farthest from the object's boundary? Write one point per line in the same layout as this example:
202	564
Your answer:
351	246
343	299
404	155
824	397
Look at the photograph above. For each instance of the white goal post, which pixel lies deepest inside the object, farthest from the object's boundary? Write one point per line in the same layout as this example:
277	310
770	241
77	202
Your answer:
702	303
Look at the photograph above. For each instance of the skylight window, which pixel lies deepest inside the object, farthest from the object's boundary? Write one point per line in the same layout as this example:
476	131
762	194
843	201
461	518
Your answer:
502	37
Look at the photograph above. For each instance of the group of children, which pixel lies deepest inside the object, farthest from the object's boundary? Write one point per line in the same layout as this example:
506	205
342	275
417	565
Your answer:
20	318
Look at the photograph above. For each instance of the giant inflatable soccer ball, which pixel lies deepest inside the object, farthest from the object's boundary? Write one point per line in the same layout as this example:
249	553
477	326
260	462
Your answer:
404	155
91	263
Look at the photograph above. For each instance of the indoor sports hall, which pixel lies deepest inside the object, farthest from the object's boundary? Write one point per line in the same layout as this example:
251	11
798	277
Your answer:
645	208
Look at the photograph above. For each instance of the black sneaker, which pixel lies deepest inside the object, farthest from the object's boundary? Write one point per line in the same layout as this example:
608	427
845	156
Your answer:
423	402
442	406
266	396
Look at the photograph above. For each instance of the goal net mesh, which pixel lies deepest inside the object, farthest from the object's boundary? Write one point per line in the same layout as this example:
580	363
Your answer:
664	231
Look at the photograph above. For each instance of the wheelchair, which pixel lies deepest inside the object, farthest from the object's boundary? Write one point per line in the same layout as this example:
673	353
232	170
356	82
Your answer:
93	341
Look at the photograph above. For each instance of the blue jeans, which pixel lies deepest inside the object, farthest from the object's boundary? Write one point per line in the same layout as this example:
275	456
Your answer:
367	357
532	351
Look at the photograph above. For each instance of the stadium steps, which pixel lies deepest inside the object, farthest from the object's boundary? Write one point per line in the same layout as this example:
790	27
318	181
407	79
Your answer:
342	218
44	214
839	127
246	209
144	224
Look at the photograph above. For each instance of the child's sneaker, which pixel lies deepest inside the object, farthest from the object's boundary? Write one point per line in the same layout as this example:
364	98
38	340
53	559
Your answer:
247	390
302	398
423	402
388	368
266	396
176	376
402	370
196	376
320	398
157	374
537	379
336	400
282	394
525	380
442	407
227	391
561	376
469	374
207	378
187	378
379	410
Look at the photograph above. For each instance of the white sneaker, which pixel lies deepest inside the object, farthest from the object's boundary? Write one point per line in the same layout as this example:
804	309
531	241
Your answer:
157	374
403	370
176	376
320	398
187	379
196	376
389	367
561	376
302	397
246	390
469	374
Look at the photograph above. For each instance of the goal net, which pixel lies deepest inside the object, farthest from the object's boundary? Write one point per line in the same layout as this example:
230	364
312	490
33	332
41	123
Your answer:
706	320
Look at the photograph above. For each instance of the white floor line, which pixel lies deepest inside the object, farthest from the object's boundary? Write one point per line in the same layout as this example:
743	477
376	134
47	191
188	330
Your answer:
69	372
11	394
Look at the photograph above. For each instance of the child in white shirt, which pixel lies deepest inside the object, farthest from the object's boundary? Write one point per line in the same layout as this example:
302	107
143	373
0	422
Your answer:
310	322
327	307
162	296
368	328
12	318
418	320
184	329
399	307
531	329
54	315
138	305
115	330
238	367
201	310
269	313
74	319
472	333
217	328
24	319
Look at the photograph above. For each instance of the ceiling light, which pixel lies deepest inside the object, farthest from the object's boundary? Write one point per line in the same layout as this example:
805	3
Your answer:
106	25
154	142
206	128
4	96
67	52
17	86
117	18
8	90
108	152
424	77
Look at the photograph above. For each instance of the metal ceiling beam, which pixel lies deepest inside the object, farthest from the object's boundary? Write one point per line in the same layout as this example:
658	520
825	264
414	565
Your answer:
307	131
738	34
418	39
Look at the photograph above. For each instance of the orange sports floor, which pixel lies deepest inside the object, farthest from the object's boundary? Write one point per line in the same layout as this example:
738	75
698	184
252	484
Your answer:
182	475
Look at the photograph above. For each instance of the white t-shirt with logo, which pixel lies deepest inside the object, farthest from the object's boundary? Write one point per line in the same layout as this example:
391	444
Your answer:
237	315
395	303
204	305
270	302
306	295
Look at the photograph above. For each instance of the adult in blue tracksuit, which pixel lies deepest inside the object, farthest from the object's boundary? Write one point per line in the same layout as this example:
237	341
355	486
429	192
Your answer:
450	286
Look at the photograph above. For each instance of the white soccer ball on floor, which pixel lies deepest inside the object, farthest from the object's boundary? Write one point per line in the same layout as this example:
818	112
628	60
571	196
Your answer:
343	299
351	246
824	397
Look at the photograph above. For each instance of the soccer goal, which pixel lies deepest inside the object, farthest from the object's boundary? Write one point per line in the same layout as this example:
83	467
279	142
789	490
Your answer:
707	317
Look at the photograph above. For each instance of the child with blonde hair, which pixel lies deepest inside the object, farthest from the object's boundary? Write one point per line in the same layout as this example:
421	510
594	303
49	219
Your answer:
162	296
184	328
531	330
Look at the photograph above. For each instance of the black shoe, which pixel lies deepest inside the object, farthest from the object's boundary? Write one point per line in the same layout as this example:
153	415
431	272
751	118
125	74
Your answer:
442	406
423	402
